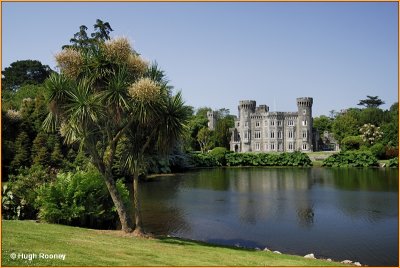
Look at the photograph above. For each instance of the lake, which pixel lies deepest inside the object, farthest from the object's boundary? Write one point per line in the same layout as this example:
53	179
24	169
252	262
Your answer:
334	213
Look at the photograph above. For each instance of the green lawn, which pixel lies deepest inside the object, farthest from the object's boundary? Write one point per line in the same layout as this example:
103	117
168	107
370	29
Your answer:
86	247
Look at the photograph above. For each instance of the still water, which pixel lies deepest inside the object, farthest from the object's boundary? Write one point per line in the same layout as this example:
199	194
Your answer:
333	213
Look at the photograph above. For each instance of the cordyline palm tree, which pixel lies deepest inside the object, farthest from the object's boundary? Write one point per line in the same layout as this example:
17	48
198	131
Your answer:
157	128
99	99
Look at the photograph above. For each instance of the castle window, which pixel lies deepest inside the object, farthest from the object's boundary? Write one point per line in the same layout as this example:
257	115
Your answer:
290	134
279	123
257	134
257	147
257	123
290	146
304	146
290	123
272	135
238	124
304	122
304	111
245	135
272	146
272	123
279	134
266	123
304	134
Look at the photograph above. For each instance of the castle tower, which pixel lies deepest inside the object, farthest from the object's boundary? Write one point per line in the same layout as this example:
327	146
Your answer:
246	108
304	124
212	120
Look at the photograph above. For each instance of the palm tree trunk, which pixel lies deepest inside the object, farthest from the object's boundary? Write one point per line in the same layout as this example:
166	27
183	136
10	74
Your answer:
124	213
136	201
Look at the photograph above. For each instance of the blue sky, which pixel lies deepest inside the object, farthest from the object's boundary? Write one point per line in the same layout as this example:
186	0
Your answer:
220	53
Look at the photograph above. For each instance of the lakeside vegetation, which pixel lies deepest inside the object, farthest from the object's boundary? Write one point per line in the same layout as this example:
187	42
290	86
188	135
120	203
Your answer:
87	247
72	141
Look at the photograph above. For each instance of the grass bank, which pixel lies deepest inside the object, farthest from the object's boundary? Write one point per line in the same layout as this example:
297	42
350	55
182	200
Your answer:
87	247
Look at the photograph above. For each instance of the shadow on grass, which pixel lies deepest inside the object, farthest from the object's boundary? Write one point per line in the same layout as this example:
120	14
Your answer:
188	242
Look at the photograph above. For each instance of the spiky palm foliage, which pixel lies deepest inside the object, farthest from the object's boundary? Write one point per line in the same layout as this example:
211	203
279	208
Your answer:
107	104
159	124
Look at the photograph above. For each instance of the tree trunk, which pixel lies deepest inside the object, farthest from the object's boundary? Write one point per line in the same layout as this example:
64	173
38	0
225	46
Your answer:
136	202
123	212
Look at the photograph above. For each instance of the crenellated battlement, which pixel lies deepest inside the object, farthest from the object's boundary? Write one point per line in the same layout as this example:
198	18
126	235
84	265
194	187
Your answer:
304	101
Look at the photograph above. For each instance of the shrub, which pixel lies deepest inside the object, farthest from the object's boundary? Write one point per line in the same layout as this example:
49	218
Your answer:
268	159
394	162
11	208
24	187
79	199
378	150
352	143
158	164
391	152
351	159
219	154
203	160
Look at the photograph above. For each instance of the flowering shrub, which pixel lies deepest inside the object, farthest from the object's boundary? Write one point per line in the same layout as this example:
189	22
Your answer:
370	133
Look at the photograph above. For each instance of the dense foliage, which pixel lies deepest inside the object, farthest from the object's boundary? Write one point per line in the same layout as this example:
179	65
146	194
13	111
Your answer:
199	137
79	199
24	72
351	159
204	160
394	162
268	159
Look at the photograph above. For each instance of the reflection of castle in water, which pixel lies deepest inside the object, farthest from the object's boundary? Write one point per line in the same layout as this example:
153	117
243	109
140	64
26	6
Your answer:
259	196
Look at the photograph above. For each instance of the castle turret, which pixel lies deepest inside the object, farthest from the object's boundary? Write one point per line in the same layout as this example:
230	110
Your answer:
212	120
304	124
246	107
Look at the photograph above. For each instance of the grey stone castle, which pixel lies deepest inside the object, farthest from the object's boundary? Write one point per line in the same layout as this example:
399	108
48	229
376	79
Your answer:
259	130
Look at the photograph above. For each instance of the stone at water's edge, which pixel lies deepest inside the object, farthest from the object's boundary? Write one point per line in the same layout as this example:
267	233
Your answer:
357	263
329	259
310	256
266	249
277	252
347	262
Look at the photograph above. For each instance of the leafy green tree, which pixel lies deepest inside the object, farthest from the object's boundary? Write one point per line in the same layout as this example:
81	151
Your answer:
322	123
391	128
22	152
195	123
345	125
10	124
204	139
81	39
371	102
24	72
374	116
202	112
56	157
12	100
332	114
102	30
221	134
40	154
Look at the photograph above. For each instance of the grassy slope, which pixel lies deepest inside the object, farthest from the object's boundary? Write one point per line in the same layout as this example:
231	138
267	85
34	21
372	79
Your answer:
84	247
